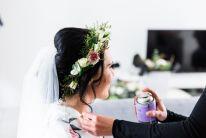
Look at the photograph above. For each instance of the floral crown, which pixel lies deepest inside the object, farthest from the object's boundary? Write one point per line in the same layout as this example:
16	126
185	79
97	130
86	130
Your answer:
96	41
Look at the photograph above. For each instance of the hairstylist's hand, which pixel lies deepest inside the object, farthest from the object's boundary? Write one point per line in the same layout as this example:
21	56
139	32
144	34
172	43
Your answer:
96	124
161	112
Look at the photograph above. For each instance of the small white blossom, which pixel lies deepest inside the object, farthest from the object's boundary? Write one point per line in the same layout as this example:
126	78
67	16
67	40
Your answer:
97	47
76	69
101	34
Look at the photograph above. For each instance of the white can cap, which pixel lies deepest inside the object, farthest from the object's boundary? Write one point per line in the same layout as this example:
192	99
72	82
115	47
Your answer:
144	97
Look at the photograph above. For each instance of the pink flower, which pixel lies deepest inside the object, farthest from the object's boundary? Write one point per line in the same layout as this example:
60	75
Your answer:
93	57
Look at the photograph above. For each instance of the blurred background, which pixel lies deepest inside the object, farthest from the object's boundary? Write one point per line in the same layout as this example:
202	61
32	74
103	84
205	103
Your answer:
155	43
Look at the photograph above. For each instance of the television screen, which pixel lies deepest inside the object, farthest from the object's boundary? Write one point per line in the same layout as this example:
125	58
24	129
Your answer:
185	49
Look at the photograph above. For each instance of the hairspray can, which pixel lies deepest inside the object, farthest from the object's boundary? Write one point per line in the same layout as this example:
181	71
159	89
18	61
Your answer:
143	103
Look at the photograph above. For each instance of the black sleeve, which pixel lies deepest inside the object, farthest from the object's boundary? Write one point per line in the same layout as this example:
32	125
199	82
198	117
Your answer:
173	117
192	127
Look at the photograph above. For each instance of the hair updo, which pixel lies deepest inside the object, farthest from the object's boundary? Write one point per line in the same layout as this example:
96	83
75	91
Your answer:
69	43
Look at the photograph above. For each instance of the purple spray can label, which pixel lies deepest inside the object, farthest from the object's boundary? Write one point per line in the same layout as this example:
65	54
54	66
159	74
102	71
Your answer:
143	103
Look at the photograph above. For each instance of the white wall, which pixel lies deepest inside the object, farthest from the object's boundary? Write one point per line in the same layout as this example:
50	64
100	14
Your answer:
29	25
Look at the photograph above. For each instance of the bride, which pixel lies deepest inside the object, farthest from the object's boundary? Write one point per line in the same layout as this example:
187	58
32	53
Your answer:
63	81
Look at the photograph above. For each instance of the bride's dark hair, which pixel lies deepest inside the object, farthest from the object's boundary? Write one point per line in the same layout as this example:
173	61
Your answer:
69	43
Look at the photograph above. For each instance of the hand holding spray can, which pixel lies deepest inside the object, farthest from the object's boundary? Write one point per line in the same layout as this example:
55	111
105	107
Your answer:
143	103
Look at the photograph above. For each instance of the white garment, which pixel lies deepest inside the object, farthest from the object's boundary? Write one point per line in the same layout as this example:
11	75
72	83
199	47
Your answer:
57	123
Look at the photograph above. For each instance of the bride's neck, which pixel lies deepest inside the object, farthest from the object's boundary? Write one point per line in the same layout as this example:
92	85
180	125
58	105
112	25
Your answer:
76	103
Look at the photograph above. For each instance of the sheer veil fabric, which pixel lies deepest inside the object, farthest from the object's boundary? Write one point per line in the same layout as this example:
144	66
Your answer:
40	88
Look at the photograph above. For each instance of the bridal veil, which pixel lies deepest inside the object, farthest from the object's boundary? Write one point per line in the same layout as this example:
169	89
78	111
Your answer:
40	88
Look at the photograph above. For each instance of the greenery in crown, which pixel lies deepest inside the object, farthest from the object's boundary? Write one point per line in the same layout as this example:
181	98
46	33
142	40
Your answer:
96	41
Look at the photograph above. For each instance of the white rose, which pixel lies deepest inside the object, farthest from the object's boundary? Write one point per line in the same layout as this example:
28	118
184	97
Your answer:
83	62
76	69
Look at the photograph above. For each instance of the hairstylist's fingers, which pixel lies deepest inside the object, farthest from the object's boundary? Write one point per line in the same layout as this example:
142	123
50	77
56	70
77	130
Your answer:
89	116
87	128
154	94
84	122
151	113
157	114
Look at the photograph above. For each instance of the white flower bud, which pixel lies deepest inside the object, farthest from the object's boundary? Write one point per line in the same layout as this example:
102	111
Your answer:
73	85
